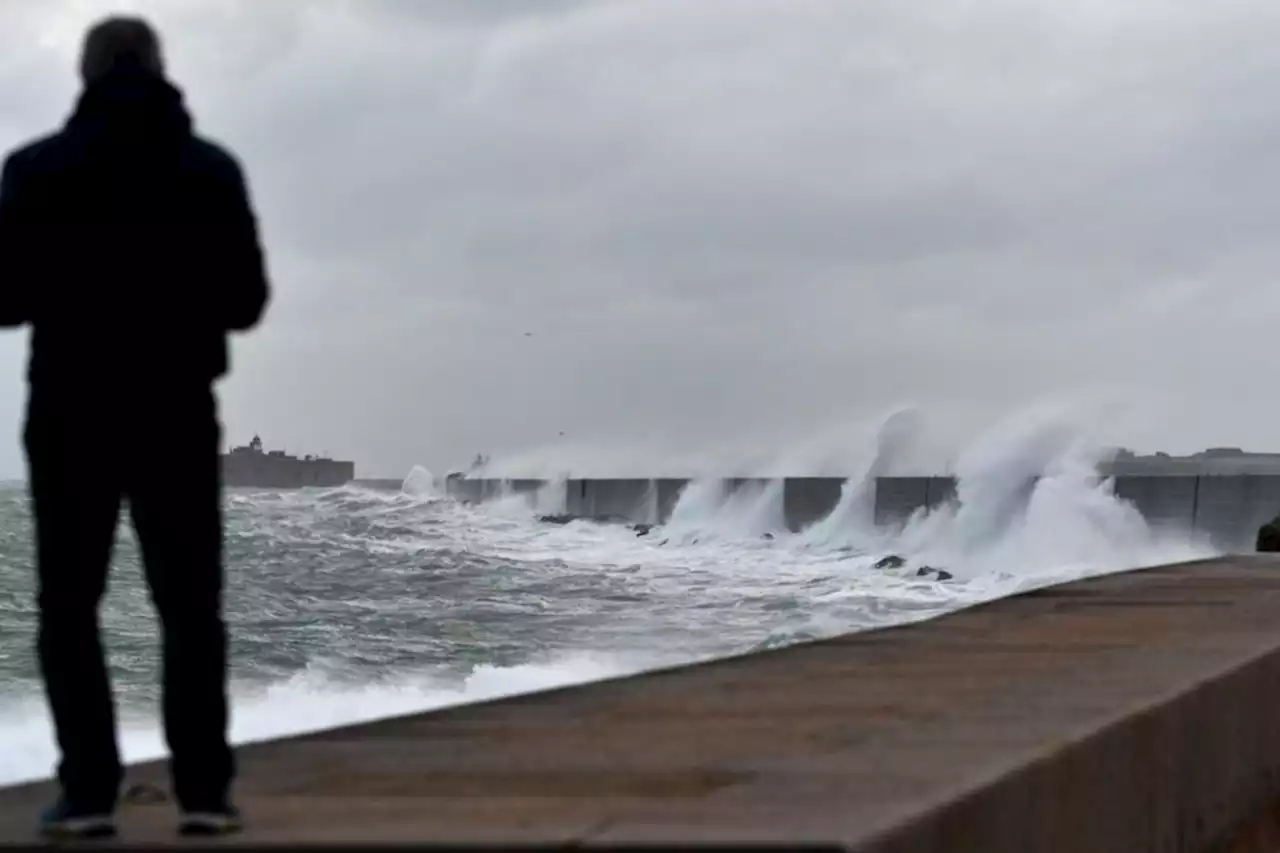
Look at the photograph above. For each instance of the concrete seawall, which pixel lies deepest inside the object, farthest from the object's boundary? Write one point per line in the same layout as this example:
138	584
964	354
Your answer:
1228	509
1125	714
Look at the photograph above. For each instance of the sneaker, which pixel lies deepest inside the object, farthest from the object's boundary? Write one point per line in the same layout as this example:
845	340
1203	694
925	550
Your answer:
222	820
66	820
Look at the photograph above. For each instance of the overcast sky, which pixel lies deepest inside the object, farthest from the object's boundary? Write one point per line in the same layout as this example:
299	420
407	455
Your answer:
663	227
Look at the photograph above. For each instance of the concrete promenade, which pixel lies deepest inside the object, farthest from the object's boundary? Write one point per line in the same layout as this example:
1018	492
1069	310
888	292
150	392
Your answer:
1130	713
1227	509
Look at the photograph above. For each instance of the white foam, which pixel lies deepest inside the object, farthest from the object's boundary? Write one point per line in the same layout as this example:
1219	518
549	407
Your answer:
310	701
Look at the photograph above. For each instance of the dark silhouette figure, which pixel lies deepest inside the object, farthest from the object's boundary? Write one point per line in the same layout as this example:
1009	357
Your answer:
1268	541
130	247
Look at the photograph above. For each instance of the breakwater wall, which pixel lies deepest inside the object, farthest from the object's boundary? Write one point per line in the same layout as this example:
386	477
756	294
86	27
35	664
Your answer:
1228	508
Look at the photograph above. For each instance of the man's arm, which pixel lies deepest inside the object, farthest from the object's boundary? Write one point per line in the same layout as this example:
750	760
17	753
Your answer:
15	264
245	291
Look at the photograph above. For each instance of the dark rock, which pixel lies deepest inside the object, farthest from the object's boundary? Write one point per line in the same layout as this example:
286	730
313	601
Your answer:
1269	537
643	529
941	574
767	537
556	519
893	561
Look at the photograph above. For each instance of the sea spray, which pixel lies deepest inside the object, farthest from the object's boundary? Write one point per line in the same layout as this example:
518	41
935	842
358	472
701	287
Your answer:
552	498
728	509
311	700
852	522
419	483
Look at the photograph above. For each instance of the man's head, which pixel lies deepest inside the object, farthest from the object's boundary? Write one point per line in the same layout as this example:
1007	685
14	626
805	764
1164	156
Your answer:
120	41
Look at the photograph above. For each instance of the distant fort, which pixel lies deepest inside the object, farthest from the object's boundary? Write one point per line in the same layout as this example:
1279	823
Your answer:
251	467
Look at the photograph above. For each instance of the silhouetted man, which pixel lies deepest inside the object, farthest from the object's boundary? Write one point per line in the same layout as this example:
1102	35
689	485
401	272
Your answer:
130	247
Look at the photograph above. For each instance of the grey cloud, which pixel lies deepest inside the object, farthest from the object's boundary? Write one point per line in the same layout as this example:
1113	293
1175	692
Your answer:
726	219
469	12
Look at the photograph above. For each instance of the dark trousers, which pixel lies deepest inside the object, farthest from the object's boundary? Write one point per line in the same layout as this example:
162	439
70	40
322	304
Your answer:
84	460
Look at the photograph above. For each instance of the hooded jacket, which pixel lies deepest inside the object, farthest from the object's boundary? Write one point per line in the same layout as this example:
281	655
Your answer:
129	244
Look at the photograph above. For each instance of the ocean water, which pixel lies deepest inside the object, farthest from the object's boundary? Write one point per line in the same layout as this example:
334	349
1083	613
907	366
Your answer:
349	605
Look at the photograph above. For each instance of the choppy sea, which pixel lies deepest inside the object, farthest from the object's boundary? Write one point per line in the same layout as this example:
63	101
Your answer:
350	604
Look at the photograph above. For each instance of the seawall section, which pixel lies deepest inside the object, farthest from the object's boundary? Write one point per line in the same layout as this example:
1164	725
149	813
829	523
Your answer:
1226	509
1234	508
808	500
1166	502
899	498
634	500
1124	714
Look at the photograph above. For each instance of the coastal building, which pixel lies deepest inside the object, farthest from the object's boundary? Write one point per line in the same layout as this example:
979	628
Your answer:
250	466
